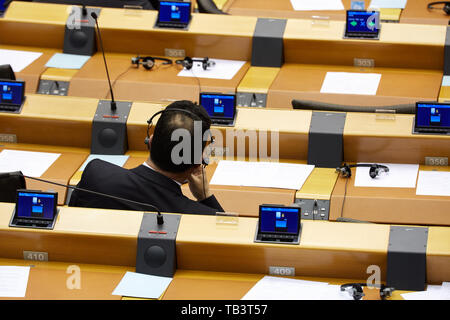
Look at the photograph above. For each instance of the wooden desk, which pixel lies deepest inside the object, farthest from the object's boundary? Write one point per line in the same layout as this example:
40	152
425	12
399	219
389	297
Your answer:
416	12
60	171
389	205
397	86
138	84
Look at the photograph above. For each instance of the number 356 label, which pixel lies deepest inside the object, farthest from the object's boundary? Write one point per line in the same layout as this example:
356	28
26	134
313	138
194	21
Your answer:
35	256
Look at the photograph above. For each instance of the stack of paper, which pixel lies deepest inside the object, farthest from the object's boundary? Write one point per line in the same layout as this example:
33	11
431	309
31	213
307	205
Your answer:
18	60
32	164
261	174
276	288
13	281
388	4
399	176
441	292
317	5
351	83
433	183
140	285
222	69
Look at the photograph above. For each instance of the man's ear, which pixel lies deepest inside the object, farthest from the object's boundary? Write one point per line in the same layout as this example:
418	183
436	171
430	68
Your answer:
150	140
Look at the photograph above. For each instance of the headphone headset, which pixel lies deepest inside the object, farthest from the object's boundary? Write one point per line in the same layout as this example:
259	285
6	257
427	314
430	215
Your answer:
374	171
356	290
192	116
188	63
446	8
148	62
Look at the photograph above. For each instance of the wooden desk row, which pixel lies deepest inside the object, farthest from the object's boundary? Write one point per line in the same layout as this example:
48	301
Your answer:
327	249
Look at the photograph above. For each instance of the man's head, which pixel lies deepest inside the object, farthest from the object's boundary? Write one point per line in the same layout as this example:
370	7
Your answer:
178	142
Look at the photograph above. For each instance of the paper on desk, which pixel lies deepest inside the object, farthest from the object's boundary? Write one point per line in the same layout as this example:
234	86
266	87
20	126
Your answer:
18	60
351	83
310	5
399	176
276	288
261	174
67	61
118	160
433	183
140	285
223	69
432	293
388	4
13	281
32	164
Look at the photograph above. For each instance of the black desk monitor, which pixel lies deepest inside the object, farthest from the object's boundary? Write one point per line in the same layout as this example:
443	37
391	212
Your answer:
12	95
221	108
361	24
174	14
432	118
35	209
278	224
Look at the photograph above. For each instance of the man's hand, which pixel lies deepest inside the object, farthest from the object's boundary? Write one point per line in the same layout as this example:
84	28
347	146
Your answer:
198	184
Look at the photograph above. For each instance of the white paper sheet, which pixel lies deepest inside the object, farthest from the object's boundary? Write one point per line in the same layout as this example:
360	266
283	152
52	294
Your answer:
387	4
18	60
32	164
351	83
67	61
433	183
118	160
223	69
13	281
142	286
276	288
309	5
432	293
261	174
399	176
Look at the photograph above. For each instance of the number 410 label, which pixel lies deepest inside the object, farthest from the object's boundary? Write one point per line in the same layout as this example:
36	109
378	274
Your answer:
35	256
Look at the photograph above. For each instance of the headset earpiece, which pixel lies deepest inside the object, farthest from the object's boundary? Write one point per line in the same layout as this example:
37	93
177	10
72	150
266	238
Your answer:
148	62
374	171
446	8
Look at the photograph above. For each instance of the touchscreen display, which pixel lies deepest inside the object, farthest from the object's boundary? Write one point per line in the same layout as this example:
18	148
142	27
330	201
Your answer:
174	11
11	92
279	220
433	115
219	105
363	22
35	205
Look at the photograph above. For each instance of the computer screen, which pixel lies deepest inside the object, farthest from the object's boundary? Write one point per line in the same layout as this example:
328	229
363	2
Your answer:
432	115
11	92
221	106
36	205
279	220
367	22
174	11
2	7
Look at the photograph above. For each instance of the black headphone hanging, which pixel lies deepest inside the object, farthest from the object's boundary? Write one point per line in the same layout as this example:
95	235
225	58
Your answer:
374	171
446	8
356	290
188	63
148	62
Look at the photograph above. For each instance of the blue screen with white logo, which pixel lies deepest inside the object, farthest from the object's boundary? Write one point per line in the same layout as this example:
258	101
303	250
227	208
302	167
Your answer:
36	205
279	220
172	11
433	115
11	92
219	105
363	22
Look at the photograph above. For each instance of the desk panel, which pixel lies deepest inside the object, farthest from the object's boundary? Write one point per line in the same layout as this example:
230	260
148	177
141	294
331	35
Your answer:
416	12
397	86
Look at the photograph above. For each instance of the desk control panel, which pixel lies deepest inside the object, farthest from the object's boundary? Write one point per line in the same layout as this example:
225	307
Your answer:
314	209
248	99
55	88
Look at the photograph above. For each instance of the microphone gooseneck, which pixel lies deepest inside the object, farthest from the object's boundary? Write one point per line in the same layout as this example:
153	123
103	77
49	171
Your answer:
113	102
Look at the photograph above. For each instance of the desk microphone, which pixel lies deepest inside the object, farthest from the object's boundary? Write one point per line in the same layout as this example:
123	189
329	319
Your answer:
113	102
152	207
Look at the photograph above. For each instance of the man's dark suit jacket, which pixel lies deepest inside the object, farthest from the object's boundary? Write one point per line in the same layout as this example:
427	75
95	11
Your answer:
140	184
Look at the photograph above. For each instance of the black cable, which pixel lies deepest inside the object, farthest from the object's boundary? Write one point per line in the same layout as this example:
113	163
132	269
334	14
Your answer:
345	195
96	193
117	78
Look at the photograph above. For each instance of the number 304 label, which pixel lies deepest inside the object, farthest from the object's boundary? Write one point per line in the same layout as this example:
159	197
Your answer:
35	256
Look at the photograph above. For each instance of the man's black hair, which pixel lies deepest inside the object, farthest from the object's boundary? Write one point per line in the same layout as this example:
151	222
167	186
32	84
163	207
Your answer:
169	121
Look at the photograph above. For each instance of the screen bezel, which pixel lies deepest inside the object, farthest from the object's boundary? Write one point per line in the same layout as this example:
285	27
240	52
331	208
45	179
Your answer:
158	21
416	126
280	207
219	94
22	93
371	34
55	204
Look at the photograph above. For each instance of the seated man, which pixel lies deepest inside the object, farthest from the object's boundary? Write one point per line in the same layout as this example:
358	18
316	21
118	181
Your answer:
157	181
